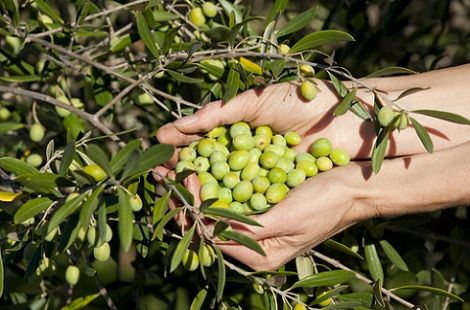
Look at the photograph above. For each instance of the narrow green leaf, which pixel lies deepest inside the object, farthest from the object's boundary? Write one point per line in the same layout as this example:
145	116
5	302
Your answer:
380	147
297	23
163	16
231	215
181	248
232	84
2	272
433	290
230	8
125	225
169	38
97	154
49	11
211	69
65	211
220	274
393	255
102	224
243	240
146	34
90	206
155	156
410	91
67	158
180	176
338	85
373	263
21	78
335	245
345	104
198	300
31	208
158	233
446	116
39	182
390	71
319	38
377	293
160	207
16	166
132	165
277	67
358	108
121	43
183	78
9	126
423	135
80	302
326	295
120	159
277	9
325	278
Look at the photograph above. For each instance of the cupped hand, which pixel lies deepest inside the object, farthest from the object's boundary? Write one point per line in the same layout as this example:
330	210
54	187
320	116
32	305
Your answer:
321	207
280	106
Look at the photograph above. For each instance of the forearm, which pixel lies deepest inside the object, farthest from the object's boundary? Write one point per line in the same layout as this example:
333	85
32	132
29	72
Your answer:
447	90
420	183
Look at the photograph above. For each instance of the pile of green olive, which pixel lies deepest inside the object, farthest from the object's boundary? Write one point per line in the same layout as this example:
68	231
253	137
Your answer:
249	170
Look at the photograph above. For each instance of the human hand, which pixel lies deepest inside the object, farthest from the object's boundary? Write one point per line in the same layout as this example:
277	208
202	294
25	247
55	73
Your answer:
282	108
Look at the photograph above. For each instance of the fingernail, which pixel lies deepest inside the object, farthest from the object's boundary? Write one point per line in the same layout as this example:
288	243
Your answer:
187	120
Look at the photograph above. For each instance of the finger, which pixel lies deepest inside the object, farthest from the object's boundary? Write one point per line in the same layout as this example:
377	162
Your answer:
193	186
159	173
171	164
170	135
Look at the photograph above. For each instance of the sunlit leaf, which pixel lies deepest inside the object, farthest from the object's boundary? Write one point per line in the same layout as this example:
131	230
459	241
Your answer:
181	248
391	71
446	116
423	135
9	196
373	262
325	278
125	225
320	38
146	35
433	290
393	255
31	208
297	23
243	240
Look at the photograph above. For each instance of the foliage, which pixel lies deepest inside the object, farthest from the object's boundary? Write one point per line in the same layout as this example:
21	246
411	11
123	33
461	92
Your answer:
100	79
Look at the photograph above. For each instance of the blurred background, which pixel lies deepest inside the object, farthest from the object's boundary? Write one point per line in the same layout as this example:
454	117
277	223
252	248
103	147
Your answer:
418	34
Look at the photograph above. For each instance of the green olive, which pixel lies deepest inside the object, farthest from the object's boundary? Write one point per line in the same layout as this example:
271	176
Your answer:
5	114
220	169
217	156
207	256
239	128
243	142
268	160
250	171
210	9
190	260
261	141
324	163
217	131
184	165
306	70
205	147
34	160
386	116
284	49
304	156
339	157
276	192
295	177
289	154
320	147
242	191
308	167
201	164
292	138
205	177
225	195
254	155
279	150
197	17
258	202
36	132
102	253
209	191
237	207
230	180
279	140
95	171
308	90
260	184
264	130
72	274
136	203
277	175
239	159
285	164
187	154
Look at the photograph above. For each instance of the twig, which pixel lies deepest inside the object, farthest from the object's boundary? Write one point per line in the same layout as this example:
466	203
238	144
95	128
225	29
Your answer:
45	98
337	264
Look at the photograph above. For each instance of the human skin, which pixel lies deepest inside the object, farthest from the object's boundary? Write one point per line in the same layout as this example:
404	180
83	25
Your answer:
330	202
